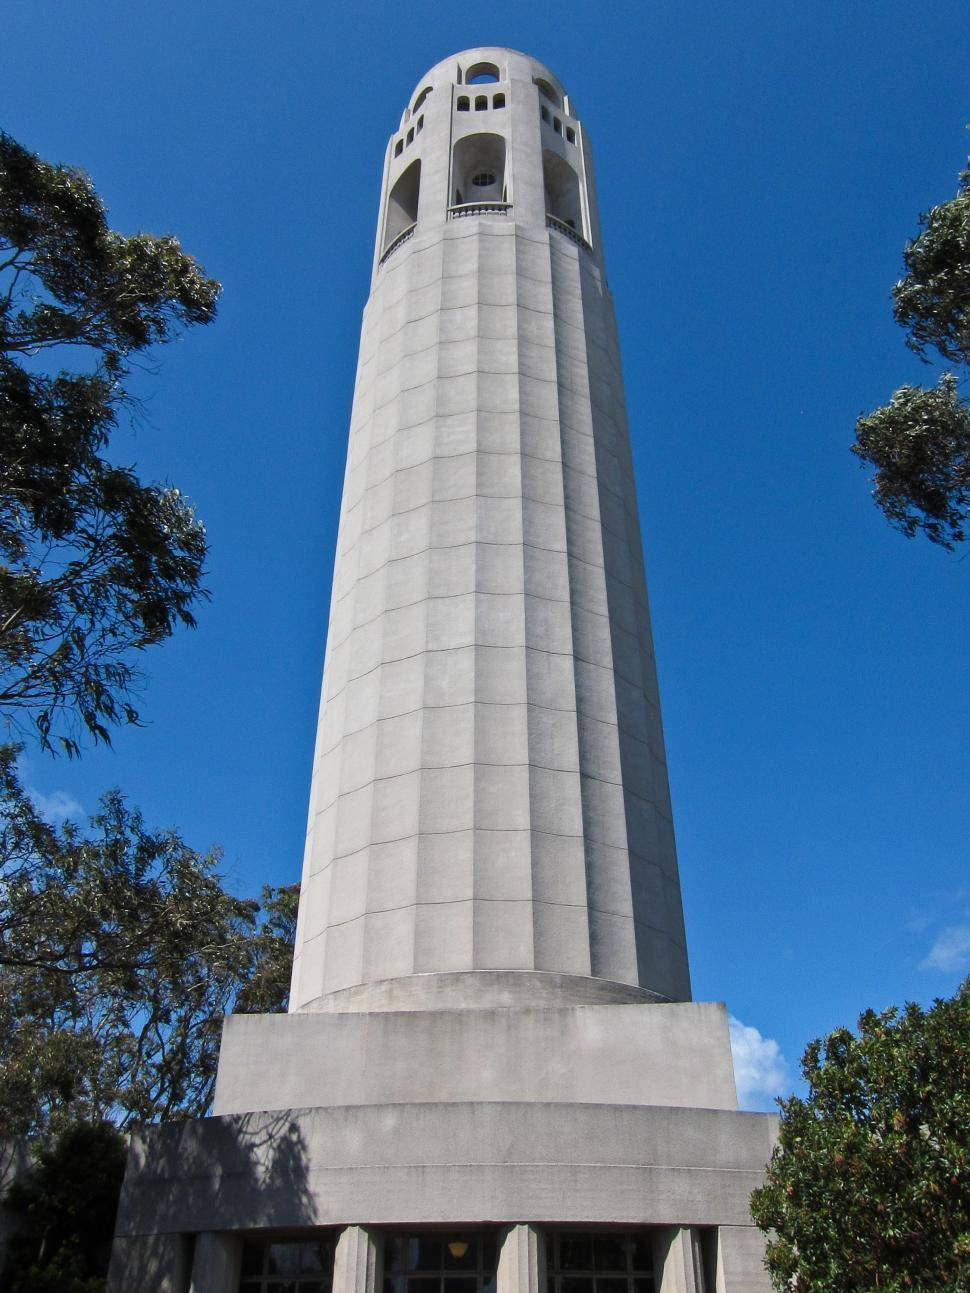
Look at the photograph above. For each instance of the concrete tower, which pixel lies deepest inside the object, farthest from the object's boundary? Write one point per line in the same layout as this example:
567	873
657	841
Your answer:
489	788
492	1070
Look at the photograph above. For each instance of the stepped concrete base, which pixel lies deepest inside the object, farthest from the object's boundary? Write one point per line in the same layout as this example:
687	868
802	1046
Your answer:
456	1118
672	1054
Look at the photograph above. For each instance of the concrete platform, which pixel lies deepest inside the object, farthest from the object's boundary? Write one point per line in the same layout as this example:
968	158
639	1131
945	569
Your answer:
672	1054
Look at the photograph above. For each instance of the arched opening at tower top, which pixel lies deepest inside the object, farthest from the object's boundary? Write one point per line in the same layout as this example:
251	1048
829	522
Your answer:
478	170
402	203
546	90
481	73
563	197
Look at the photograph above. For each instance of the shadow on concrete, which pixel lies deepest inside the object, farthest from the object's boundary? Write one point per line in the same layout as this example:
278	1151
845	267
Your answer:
234	1173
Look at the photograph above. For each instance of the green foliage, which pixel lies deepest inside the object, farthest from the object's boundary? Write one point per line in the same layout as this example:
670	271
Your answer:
266	991
920	446
918	443
120	951
66	1211
869	1186
933	301
94	565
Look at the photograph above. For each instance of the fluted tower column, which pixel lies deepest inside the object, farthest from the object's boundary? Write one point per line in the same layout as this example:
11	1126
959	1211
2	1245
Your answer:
489	814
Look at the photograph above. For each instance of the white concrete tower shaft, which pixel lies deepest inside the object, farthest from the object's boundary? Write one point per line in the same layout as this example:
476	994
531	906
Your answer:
489	817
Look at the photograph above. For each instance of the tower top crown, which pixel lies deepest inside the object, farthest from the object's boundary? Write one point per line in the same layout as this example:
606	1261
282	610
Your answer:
488	132
484	63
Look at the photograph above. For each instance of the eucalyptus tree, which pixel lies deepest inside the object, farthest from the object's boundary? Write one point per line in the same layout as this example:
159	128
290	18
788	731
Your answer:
95	564
919	443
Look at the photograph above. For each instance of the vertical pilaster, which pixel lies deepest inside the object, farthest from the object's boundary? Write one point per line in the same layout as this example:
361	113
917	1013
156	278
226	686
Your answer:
215	1268
740	1261
358	1261
521	1261
678	1260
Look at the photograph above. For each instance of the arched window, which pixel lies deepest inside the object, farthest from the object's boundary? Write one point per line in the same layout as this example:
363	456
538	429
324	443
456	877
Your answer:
420	125
561	184
478	168
463	103
481	102
399	148
411	135
548	92
498	100
482	72
402	203
421	98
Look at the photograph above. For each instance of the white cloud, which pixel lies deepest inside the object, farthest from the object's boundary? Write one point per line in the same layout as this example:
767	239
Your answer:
55	807
759	1066
950	952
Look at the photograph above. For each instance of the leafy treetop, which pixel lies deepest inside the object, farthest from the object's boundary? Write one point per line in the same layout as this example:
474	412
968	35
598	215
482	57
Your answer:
94	564
120	952
919	443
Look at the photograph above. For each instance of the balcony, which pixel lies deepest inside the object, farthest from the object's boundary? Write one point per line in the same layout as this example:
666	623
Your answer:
478	209
553	222
403	236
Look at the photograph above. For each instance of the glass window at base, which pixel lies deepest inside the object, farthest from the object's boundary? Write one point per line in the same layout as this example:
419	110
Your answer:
591	1261
288	1265
449	1261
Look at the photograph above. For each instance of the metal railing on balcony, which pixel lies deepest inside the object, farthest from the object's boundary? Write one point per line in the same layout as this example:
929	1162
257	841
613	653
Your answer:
403	236
479	208
553	222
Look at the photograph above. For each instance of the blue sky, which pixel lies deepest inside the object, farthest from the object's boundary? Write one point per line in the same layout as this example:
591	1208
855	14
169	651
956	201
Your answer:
760	166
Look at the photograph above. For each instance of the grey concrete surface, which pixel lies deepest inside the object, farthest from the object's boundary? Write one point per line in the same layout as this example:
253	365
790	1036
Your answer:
623	1055
357	1262
151	1261
740	1261
522	1261
424	1164
216	1263
679	1261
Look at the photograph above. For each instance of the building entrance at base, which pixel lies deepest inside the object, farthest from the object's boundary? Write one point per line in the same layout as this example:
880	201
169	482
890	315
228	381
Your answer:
460	1261
288	1266
590	1261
